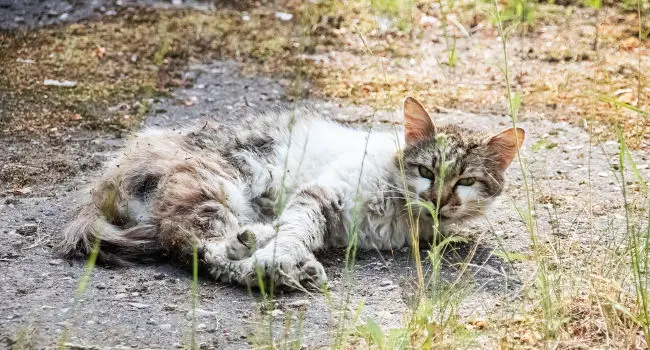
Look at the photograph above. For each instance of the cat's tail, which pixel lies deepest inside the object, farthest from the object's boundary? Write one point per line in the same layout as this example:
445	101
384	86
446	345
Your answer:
113	221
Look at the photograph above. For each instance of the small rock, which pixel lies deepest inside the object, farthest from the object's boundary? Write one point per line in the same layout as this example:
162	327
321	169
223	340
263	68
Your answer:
388	287
385	283
28	229
199	313
177	2
64	16
277	312
100	286
283	16
110	13
165	326
139	305
152	321
120	296
169	307
159	276
598	210
55	262
299	303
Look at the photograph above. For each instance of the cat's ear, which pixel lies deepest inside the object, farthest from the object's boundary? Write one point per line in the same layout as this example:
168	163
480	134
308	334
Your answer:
417	123
506	144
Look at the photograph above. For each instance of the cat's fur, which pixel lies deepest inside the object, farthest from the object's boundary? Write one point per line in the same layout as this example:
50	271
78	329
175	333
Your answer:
221	187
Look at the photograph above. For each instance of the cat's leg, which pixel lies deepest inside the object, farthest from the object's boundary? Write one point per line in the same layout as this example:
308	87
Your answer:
192	209
312	216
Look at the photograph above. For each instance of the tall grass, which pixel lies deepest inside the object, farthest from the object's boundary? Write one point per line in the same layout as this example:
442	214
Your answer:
81	289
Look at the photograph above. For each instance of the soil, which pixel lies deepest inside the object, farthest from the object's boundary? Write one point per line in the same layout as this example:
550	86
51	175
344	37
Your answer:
149	306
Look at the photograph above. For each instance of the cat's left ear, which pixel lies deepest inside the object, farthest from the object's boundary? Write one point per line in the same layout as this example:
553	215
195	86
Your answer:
418	125
506	144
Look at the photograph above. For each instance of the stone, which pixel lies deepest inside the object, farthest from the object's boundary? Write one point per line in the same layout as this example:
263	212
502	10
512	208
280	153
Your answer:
28	229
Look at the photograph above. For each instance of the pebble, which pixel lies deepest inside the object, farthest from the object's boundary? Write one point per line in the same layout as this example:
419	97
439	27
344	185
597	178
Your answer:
277	312
159	276
165	326
199	313
385	283
169	307
388	287
139	305
100	286
283	16
27	230
55	262
299	303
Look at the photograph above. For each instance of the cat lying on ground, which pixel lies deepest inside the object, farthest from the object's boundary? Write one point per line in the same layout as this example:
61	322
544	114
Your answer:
262	197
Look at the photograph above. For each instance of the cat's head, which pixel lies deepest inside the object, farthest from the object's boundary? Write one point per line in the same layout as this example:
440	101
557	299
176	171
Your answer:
460	169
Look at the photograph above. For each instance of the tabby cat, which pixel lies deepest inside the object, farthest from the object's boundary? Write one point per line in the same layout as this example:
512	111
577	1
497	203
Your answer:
263	196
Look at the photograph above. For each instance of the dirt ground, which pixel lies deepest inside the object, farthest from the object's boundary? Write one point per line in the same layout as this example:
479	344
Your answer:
149	306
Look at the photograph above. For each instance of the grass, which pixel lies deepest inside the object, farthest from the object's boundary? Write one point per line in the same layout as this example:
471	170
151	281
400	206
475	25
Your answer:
574	293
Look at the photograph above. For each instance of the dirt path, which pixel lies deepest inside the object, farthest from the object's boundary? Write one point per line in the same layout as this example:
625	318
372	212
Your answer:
147	306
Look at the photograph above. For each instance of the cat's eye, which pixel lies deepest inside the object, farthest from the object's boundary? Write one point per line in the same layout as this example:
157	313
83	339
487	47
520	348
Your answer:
425	172
468	181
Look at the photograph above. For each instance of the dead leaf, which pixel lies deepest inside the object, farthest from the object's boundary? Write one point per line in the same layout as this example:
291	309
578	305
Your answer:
478	324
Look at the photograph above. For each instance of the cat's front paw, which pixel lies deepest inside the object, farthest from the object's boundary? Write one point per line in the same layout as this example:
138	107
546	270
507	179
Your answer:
286	270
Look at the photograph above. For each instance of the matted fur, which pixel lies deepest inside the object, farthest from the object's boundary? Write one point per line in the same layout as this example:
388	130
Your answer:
267	194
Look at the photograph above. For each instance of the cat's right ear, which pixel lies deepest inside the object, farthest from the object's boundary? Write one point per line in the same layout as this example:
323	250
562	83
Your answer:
506	144
418	125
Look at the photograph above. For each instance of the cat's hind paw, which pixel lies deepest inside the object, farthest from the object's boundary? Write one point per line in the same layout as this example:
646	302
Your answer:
313	275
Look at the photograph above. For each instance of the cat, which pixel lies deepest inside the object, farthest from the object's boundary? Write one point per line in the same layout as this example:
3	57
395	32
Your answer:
257	200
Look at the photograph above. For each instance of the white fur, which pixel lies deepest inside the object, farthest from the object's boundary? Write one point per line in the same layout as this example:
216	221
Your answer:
421	184
330	155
